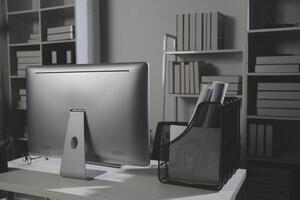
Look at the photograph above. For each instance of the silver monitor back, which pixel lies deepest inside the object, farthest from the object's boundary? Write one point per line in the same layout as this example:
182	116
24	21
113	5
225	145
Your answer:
115	98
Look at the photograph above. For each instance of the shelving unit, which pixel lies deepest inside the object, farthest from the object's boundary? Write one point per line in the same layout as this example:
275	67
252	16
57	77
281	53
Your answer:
178	107
28	17
265	37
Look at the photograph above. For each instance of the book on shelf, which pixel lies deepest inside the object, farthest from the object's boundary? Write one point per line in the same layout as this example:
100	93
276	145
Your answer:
21	72
197	75
186	32
217	30
187	77
193	32
22	91
60	36
231	86
179	31
191	78
252	139
208	31
22	105
53	57
177	77
35	36
288	95
227	79
199	31
36	53
69	56
182	78
171	77
289	104
278	86
260	140
280	68
205	32
285	59
278	112
23	98
60	29
28	60
34	41
269	135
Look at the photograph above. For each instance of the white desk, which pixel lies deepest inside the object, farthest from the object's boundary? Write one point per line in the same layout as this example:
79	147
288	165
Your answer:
129	183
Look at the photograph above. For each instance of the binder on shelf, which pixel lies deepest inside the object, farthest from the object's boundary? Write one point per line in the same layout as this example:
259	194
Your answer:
209	31
252	139
269	135
60	29
60	36
68	57
193	32
182	78
283	68
179	32
212	151
199	31
177	77
171	77
287	59
187	78
28	53
278	86
192	78
260	140
197	75
53	57
28	60
186	32
279	95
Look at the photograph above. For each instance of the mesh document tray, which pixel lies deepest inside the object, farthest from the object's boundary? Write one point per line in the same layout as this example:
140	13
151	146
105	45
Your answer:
206	153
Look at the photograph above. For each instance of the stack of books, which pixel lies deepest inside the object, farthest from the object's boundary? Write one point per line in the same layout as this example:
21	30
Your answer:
277	64
27	58
269	183
234	83
200	31
261	140
22	103
34	38
61	33
184	77
278	99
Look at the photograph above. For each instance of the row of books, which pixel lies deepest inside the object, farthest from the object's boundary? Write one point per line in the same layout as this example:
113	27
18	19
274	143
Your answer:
234	83
61	33
277	64
200	31
261	140
22	103
184	77
27	58
62	57
269	183
278	99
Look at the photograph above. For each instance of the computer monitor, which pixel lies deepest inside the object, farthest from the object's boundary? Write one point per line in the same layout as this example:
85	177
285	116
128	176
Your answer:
114	98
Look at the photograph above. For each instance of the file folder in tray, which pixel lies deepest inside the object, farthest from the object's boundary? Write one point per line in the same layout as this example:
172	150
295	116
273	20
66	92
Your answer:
206	153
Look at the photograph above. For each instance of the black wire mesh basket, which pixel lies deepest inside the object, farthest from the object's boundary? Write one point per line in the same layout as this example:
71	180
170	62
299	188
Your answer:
206	153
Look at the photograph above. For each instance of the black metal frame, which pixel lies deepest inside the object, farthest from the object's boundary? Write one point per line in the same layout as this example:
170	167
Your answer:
226	119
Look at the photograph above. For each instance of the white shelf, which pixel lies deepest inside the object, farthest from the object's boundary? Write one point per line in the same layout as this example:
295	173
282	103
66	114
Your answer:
58	41
273	118
22	12
24	44
17	77
58	7
273	74
221	51
271	30
197	95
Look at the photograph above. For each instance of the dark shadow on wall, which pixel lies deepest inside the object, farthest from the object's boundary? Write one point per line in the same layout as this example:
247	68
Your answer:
104	30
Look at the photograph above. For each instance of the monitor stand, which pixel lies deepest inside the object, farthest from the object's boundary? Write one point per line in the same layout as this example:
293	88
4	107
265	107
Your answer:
73	159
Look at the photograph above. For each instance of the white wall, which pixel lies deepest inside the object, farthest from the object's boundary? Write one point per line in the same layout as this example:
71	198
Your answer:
133	30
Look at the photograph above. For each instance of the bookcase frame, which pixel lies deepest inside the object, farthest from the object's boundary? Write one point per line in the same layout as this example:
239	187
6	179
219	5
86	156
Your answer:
35	16
264	39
